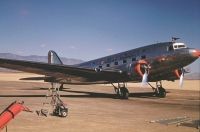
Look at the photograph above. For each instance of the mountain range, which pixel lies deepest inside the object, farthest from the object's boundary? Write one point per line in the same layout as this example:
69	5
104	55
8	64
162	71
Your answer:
67	61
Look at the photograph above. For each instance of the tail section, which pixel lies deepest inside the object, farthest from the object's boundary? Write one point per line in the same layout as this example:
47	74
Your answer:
53	58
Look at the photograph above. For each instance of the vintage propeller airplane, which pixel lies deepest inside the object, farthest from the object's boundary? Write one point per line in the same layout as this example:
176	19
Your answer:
152	63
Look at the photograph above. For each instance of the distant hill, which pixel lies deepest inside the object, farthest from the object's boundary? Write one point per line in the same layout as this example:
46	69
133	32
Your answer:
67	61
192	76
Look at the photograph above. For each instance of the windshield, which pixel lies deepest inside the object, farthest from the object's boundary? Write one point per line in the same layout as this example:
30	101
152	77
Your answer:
179	45
175	46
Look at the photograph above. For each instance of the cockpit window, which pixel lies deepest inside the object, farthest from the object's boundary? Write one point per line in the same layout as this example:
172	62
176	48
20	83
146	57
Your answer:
181	46
175	46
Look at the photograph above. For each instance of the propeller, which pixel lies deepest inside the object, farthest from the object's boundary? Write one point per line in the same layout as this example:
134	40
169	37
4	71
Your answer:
142	69
181	77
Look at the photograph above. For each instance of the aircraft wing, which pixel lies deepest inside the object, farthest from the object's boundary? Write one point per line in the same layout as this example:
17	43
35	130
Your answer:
63	72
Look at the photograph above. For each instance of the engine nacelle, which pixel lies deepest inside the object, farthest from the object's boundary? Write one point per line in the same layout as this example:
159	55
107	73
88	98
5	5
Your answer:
140	66
178	73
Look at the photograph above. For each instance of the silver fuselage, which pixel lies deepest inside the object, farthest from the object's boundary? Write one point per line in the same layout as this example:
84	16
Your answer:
161	58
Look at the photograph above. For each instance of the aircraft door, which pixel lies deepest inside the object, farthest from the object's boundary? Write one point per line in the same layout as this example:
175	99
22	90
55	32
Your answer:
130	67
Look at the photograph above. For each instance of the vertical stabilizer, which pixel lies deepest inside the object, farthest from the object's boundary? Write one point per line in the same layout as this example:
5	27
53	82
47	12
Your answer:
53	58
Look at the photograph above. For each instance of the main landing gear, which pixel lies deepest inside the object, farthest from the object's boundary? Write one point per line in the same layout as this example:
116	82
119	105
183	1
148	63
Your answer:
159	90
121	91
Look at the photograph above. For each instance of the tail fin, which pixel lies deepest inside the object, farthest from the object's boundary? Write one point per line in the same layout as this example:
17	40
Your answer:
53	58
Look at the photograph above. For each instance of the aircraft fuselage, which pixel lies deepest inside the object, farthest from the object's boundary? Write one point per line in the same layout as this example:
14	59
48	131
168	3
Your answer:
163	58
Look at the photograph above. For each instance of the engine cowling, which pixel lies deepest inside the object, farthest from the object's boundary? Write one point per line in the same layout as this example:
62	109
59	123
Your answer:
140	67
177	73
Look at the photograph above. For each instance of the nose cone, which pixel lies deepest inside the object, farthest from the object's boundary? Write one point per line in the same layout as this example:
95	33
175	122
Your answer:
195	52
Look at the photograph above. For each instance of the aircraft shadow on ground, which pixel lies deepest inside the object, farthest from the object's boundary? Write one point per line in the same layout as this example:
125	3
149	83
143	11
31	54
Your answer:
85	94
107	95
38	88
27	95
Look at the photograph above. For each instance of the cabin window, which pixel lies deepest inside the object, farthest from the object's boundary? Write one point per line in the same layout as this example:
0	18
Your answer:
124	61
143	57
116	63
100	66
107	65
133	59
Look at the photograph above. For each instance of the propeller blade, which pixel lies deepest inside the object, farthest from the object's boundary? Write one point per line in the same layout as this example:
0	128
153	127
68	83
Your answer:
144	78
181	78
181	81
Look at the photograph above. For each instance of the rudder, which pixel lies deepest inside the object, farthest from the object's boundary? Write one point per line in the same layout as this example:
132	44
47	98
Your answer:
53	58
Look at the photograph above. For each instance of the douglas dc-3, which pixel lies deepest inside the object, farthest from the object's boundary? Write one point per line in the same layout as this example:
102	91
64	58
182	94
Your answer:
152	63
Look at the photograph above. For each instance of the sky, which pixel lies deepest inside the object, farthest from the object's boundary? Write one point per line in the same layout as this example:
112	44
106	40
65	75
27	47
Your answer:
89	29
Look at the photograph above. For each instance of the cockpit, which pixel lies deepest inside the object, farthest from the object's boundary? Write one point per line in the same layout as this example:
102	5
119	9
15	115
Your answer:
175	46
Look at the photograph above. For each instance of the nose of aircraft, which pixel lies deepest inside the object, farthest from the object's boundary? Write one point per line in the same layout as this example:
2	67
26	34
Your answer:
195	52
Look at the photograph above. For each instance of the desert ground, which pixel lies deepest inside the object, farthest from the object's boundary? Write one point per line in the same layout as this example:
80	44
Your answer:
96	108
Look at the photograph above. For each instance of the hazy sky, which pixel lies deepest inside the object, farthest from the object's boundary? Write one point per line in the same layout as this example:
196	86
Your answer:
88	29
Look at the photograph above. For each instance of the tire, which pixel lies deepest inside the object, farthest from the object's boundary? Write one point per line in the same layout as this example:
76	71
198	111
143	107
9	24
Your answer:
124	93
64	113
161	92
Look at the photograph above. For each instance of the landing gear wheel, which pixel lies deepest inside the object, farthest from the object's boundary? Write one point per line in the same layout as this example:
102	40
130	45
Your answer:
123	93
60	110
160	92
64	113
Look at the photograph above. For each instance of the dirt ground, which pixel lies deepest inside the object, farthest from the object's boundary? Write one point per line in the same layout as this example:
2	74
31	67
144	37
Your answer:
96	108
